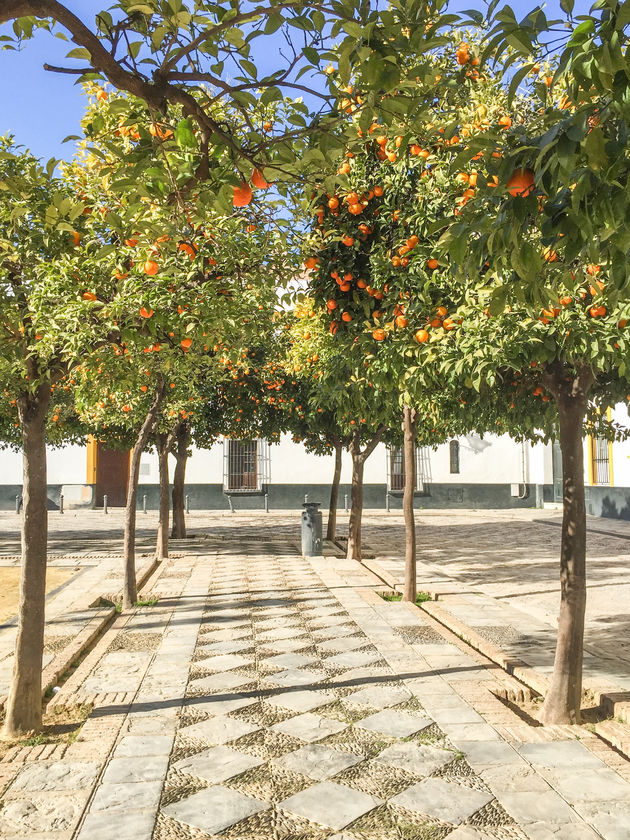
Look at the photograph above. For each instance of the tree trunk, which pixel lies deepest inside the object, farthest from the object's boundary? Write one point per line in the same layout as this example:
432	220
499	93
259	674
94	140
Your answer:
179	477
161	548
563	700
409	432
130	592
24	704
356	509
334	494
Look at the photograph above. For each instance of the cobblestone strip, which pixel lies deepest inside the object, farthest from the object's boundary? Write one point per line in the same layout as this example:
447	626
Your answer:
549	782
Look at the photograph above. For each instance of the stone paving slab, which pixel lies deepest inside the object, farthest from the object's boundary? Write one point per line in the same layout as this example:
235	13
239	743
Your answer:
214	809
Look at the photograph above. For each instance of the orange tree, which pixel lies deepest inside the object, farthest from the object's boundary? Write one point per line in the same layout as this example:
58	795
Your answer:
47	328
341	392
575	69
544	238
193	290
196	66
548	374
135	400
375	261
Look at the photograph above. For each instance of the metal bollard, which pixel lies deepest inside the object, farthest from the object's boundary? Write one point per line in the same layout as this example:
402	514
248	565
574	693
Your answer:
17	504
144	504
229	498
187	504
61	503
311	530
266	502
105	503
387	501
306	499
345	503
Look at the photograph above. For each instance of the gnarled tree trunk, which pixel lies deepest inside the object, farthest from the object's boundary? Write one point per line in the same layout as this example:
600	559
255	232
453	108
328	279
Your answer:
179	478
130	592
563	700
409	438
356	511
331	527
24	704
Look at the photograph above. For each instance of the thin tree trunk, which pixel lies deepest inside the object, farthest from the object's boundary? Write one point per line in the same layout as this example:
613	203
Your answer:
563	700
130	592
409	432
334	493
179	478
24	704
161	548
356	509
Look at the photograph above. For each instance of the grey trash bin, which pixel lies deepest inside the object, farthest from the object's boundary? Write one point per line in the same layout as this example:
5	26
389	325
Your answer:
311	530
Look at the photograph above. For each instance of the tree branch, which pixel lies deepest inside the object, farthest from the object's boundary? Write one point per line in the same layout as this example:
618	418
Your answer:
73	71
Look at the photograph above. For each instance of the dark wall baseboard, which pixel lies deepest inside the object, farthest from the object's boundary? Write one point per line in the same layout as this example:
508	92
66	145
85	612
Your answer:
609	502
291	497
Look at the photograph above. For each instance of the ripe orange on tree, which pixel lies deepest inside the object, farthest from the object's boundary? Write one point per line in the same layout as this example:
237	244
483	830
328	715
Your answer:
258	181
242	195
521	182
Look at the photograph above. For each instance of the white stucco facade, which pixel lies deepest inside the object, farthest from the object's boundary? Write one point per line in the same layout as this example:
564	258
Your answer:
491	460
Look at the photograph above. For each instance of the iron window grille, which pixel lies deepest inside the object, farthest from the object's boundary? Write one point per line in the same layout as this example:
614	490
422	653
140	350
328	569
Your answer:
396	469
453	451
601	461
246	466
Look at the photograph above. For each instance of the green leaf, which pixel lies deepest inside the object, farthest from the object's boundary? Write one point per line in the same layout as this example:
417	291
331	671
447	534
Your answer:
594	146
249	67
79	52
184	134
311	54
274	22
517	78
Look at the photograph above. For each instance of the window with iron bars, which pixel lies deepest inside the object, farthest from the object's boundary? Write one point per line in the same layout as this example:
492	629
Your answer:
396	469
245	466
600	459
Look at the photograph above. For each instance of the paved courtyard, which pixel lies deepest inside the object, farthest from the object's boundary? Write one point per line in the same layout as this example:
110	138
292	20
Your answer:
498	572
268	696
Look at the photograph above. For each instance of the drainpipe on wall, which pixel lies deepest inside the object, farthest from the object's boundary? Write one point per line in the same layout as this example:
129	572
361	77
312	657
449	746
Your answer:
524	475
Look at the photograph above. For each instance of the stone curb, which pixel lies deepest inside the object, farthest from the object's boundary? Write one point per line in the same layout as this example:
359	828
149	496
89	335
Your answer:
613	701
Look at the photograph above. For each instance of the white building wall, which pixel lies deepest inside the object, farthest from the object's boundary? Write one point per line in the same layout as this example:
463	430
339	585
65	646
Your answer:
621	451
204	467
489	460
10	467
66	465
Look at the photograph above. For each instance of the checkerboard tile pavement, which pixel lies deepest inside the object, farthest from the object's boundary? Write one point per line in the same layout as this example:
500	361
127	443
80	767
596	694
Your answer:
296	727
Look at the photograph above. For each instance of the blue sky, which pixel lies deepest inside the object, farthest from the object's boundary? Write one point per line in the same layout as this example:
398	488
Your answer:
41	108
